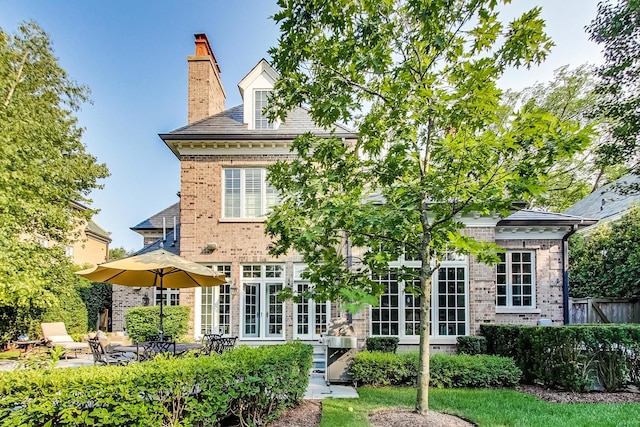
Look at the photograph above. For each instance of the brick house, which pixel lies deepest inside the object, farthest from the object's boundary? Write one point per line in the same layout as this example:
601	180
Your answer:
223	154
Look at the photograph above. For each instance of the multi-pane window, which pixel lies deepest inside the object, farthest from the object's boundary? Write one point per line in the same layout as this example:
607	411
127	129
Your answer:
262	311
247	194
311	318
169	296
515	280
385	318
261	99
452	301
398	312
215	305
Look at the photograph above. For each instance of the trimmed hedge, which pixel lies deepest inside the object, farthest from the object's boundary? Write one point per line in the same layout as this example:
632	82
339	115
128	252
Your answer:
144	322
574	357
254	384
471	345
447	371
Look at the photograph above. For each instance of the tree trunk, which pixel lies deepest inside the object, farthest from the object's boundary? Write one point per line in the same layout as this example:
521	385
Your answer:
422	400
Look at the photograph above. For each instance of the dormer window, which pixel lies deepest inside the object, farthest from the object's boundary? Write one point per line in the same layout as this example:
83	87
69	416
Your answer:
260	99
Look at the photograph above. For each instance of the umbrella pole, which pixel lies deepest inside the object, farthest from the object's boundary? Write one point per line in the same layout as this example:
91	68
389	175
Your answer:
161	331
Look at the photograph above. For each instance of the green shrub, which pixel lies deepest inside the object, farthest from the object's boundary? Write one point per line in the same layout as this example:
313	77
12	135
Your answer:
382	369
144	322
471	345
253	384
574	357
378	368
479	371
383	344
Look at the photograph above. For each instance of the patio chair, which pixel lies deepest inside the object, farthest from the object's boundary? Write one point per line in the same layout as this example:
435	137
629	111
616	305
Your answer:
150	349
226	344
55	334
101	357
210	343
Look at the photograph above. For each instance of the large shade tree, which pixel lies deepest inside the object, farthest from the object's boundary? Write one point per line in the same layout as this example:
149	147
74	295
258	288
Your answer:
617	29
418	78
570	96
44	167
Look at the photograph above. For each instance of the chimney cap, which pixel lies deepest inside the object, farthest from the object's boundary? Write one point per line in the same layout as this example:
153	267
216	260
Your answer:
203	48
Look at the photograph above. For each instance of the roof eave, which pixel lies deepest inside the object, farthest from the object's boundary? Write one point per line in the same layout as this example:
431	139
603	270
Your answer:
546	223
247	137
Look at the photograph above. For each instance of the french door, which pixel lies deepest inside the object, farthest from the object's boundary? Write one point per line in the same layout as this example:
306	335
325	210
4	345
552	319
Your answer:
310	318
262	314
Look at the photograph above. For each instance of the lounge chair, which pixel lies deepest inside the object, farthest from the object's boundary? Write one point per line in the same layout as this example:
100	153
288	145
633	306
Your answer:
55	334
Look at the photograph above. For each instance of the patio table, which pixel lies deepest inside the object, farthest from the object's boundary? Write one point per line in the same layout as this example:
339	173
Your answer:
27	346
181	348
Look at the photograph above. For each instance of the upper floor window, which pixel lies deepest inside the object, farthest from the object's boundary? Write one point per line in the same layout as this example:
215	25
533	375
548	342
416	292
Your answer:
247	194
260	99
515	280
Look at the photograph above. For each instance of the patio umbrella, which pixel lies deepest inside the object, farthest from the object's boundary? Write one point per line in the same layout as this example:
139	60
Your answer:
157	268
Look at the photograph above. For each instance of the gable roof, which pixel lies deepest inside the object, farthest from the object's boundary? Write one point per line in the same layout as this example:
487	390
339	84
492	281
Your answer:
261	68
228	125
94	229
155	221
607	202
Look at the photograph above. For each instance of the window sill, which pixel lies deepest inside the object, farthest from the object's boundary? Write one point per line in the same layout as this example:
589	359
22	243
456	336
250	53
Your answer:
515	310
242	220
432	340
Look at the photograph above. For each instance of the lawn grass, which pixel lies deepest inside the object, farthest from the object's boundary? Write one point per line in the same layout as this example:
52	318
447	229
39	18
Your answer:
485	407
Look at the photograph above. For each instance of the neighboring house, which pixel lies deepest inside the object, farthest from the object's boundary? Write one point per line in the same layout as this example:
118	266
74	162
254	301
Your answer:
161	230
89	244
223	201
609	202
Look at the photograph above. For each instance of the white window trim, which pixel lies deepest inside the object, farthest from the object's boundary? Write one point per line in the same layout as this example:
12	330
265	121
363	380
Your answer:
264	208
262	332
434	338
518	309
254	118
197	323
298	269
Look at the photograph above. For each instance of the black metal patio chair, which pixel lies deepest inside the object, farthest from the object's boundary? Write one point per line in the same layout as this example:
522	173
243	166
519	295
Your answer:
101	357
150	349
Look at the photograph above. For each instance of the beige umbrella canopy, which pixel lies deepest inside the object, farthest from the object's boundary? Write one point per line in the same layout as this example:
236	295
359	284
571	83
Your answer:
157	268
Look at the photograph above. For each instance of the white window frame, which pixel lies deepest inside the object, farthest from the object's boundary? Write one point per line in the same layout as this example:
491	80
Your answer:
268	195
508	273
449	261
260	121
214	324
171	296
312	306
262	302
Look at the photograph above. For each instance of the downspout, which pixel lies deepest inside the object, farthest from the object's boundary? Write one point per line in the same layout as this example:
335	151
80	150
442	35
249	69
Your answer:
349	265
565	273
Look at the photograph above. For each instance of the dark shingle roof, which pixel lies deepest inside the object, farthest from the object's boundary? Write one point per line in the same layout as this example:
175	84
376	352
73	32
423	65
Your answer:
155	221
93	228
168	245
229	125
607	201
529	217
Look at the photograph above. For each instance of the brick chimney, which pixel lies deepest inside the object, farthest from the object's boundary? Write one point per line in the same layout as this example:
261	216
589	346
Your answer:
206	94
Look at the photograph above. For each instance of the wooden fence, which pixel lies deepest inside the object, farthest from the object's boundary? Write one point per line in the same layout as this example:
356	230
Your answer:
604	310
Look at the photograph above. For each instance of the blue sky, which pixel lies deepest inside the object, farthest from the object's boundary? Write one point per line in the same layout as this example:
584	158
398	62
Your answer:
132	55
